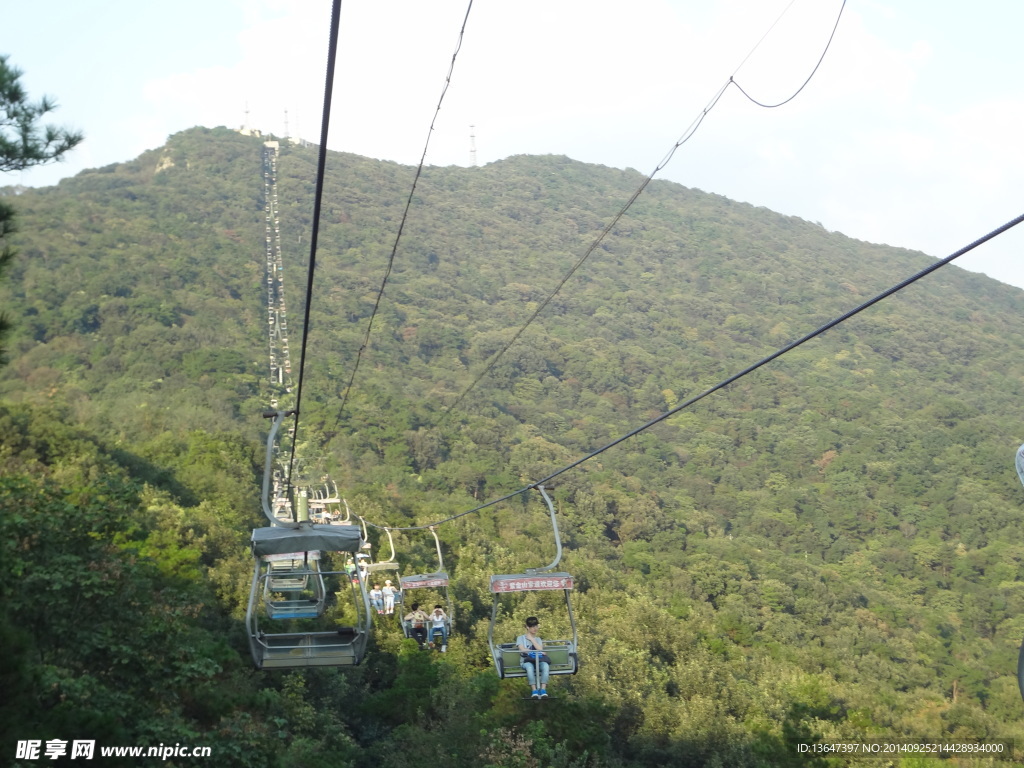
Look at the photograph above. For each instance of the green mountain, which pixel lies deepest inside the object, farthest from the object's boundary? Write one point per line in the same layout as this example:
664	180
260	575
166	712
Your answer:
823	549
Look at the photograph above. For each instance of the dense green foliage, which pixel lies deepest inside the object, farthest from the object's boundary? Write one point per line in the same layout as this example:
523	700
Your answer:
826	548
24	140
24	143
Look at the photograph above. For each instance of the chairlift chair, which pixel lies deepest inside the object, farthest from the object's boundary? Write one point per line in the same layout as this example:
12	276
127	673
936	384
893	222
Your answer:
341	646
387	565
563	654
285	561
294	587
318	511
438	581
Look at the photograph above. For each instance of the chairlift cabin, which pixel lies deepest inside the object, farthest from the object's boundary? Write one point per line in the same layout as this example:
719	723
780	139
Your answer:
294	587
323	505
303	647
563	654
384	566
1019	463
290	584
507	657
436	582
318	511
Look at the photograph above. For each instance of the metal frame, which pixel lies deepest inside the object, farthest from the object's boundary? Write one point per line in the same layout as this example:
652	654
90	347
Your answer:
564	654
339	646
383	565
436	580
298	576
278	417
298	544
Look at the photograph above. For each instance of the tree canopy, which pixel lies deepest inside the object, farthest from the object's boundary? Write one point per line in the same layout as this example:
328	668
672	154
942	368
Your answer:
826	549
23	143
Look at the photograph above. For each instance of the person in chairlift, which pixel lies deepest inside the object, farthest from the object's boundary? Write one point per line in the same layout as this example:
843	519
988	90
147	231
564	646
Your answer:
534	661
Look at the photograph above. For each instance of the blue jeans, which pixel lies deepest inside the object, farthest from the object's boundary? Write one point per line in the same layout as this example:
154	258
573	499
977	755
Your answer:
531	672
433	633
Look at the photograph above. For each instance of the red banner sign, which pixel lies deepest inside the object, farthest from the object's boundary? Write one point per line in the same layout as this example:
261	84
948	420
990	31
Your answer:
417	583
530	583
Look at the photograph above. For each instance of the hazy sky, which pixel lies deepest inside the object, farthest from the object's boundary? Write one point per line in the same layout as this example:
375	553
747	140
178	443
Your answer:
909	134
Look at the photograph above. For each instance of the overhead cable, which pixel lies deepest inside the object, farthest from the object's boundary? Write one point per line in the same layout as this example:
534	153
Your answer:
731	379
732	80
332	53
405	216
687	135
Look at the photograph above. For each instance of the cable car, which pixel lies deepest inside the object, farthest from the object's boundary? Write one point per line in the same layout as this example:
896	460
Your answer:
438	582
340	646
386	565
289	583
563	654
294	587
318	511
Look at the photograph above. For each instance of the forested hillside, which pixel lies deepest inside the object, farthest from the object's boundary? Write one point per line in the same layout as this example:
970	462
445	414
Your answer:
827	548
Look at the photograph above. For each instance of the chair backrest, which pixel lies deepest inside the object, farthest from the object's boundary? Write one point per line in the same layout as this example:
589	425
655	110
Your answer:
313	649
562	655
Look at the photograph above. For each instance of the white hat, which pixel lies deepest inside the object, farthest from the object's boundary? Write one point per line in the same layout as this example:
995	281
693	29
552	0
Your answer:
387	581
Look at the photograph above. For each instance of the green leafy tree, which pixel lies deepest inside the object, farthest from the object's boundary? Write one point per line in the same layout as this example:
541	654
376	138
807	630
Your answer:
24	143
827	549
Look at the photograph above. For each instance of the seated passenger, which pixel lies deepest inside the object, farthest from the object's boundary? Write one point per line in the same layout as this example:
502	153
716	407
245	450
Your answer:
531	648
389	597
417	623
438	625
377	598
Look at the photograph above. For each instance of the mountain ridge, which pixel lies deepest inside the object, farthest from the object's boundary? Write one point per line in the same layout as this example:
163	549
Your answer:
831	536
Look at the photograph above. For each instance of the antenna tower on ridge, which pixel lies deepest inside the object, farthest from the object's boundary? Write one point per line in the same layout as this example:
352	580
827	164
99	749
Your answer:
286	134
472	145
